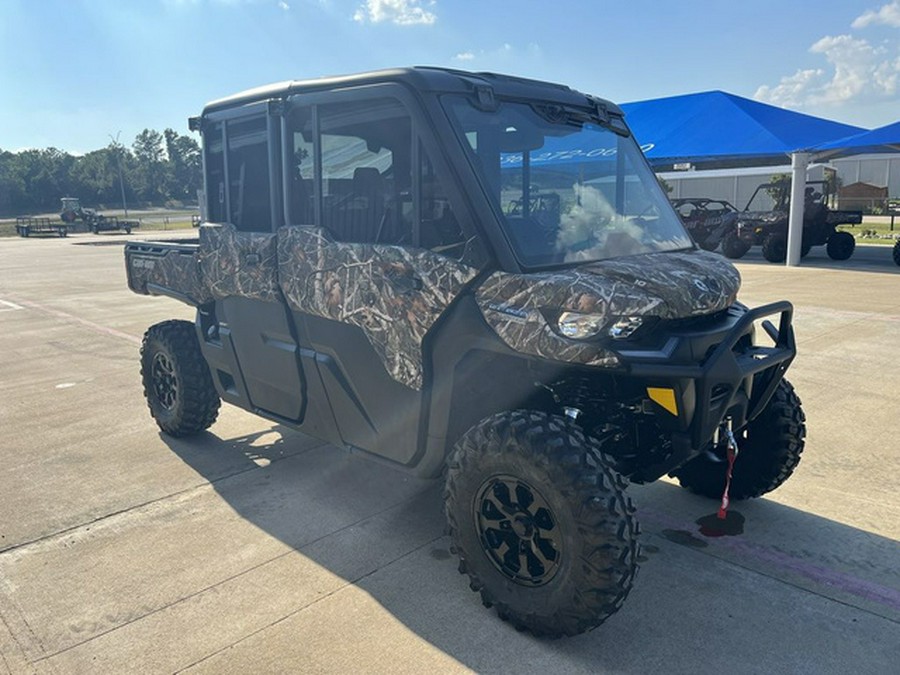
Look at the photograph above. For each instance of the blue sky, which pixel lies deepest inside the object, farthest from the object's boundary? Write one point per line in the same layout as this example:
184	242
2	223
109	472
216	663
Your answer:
74	72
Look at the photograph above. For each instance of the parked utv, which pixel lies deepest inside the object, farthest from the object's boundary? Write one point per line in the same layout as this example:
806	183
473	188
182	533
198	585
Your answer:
706	220
768	228
478	275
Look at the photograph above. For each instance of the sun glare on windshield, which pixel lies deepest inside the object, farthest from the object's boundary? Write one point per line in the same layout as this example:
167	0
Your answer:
568	192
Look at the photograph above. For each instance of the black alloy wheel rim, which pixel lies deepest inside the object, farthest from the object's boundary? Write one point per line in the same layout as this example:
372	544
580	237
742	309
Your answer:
518	531
165	383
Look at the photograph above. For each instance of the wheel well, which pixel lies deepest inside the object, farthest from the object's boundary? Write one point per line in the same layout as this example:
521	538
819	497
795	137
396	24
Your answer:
487	383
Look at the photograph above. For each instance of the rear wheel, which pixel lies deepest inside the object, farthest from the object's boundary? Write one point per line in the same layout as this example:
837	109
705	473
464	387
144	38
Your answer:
840	245
775	248
177	384
733	246
541	523
769	451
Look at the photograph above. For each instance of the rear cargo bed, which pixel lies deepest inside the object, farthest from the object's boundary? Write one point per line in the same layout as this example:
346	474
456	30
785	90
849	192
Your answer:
170	268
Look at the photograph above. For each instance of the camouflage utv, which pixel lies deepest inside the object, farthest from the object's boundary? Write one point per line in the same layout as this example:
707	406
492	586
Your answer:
479	276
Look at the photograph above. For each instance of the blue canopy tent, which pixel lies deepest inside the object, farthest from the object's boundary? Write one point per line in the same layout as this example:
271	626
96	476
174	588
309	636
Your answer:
882	139
719	128
713	129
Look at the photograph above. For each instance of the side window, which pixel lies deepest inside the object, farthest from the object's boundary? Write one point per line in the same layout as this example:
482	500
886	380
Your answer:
248	174
215	173
367	171
440	231
302	168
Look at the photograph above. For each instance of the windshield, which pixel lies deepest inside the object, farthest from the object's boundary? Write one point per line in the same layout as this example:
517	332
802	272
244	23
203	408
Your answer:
569	191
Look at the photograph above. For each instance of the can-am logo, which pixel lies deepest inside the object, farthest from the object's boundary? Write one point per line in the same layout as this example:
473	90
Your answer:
707	286
514	313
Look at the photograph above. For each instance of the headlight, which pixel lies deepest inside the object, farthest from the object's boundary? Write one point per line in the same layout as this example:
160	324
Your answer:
579	326
582	326
625	327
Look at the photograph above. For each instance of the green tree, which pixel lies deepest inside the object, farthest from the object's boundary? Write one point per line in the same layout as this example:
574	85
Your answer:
150	168
184	166
96	177
12	184
159	168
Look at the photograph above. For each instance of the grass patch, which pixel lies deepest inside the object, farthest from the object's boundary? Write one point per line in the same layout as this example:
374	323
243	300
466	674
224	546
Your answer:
874	230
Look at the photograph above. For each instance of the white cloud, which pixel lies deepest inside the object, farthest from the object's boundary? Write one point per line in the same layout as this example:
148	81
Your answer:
283	5
858	70
888	14
792	90
464	56
400	12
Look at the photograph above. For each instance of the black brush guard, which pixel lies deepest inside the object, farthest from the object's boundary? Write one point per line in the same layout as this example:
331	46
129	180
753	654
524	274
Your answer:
734	382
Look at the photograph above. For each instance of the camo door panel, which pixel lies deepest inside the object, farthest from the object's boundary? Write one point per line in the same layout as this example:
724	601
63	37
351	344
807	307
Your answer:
393	293
242	264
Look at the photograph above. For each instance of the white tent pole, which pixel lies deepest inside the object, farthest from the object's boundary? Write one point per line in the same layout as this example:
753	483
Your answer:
799	162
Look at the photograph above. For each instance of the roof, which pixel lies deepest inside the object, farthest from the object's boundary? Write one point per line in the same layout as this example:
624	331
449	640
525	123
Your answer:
716	125
420	78
884	139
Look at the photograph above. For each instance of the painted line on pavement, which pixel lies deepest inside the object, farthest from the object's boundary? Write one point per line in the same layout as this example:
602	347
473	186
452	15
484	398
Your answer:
71	318
861	588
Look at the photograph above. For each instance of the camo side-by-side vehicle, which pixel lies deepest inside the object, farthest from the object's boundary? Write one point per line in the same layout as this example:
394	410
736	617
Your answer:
474	275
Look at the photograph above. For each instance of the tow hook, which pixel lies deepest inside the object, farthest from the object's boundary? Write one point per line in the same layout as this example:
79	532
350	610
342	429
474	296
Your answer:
724	432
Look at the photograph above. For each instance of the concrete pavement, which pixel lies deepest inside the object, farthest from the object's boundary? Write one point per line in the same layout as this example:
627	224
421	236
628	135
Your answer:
256	549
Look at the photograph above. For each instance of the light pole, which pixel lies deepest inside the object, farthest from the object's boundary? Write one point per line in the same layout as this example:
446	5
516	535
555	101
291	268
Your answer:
116	145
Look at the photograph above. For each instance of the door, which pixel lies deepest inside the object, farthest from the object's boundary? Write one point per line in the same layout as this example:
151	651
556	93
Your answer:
378	260
253	350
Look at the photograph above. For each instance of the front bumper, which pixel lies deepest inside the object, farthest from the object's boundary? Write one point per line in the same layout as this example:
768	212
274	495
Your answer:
714	373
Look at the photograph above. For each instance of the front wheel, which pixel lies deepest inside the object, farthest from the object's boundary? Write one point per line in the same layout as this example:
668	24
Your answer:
840	246
541	523
734	247
769	451
897	252
775	248
708	244
177	384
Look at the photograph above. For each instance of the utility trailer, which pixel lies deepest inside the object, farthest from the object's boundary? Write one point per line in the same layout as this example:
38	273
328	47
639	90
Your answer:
112	224
27	226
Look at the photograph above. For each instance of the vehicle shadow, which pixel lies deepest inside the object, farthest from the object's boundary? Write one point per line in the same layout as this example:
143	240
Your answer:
866	258
795	592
